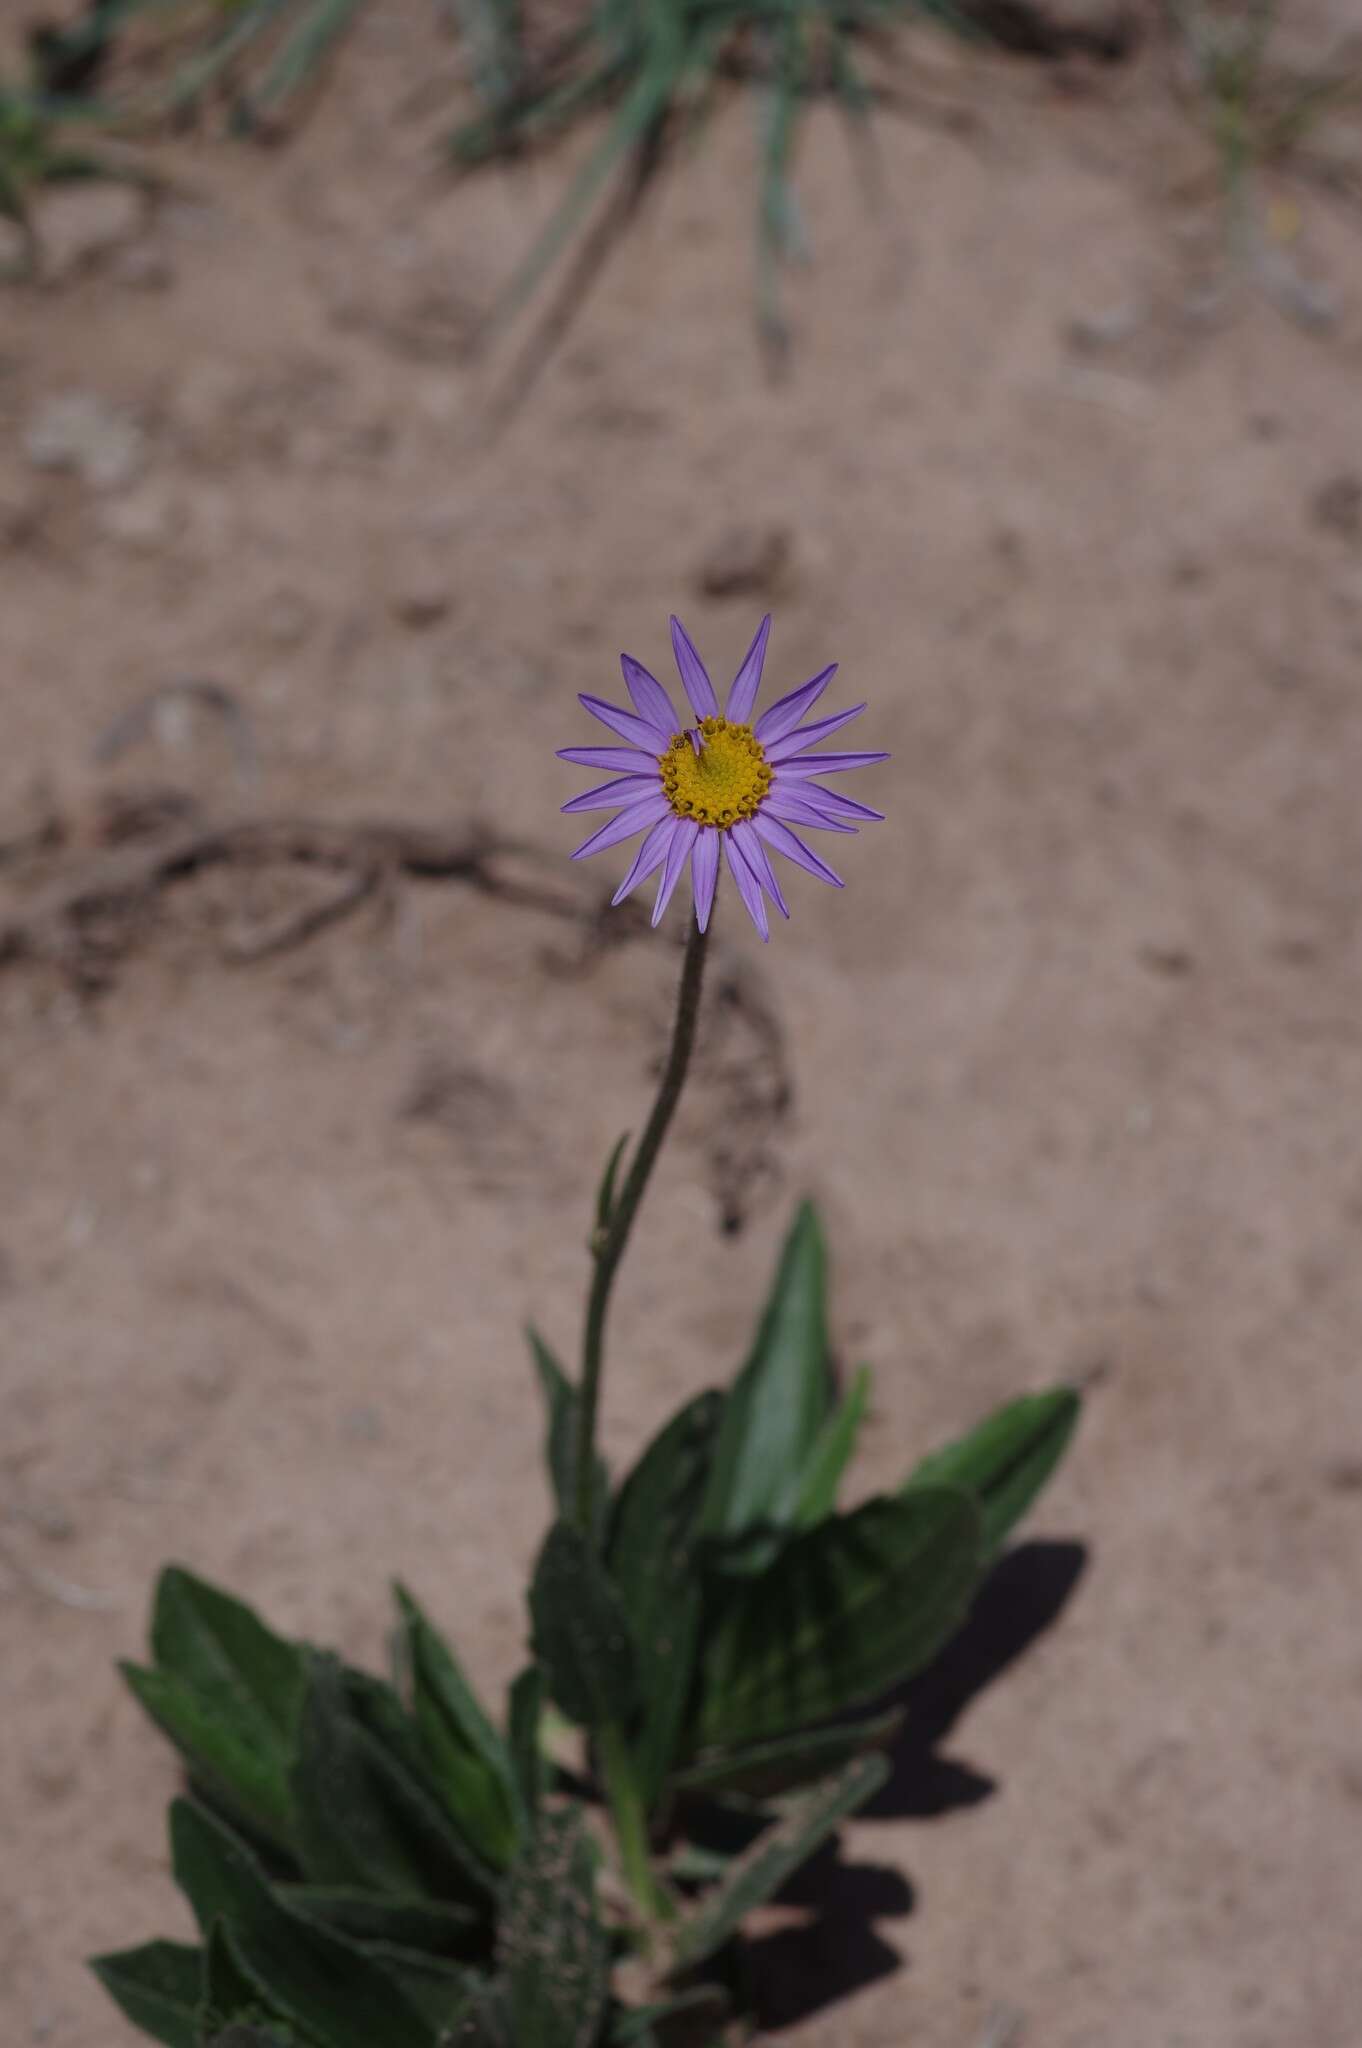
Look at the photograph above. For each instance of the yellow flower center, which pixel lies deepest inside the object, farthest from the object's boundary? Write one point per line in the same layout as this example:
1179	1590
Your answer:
725	781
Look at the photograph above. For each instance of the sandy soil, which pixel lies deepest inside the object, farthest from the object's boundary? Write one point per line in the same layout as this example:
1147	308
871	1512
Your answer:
1073	1064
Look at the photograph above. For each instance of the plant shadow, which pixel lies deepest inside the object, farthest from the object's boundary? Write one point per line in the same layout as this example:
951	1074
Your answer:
794	1972
1025	1594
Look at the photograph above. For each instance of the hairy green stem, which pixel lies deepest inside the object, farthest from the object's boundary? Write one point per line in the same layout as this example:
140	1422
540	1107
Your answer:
630	1818
607	1246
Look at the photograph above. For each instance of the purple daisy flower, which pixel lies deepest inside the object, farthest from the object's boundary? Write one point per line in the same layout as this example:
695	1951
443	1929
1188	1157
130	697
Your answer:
720	782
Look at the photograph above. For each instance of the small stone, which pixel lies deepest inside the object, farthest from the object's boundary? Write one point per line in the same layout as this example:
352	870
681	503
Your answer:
1337	505
83	433
286	619
146	519
746	561
144	266
420	597
81	225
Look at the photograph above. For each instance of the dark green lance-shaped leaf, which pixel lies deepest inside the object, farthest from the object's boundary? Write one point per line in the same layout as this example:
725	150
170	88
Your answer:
581	1631
436	1987
766	1769
759	1873
564	1409
435	1927
365	1815
522	1735
467	1757
654	1563
831	1454
1005	1461
158	1988
847	1610
694	2015
228	1692
227	1655
780	1399
230	1996
320	1982
552	1951
605	1194
241	2034
249	1781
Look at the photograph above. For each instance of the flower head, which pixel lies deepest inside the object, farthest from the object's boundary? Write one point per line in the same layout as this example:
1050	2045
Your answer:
720	782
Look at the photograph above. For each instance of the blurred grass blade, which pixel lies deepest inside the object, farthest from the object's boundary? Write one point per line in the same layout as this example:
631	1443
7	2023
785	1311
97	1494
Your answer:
305	49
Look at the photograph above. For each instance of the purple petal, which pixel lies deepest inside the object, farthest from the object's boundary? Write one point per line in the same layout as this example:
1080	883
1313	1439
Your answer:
640	730
803	767
748	886
682	840
611	795
809	735
646	812
698	686
650	699
704	873
624	760
784	841
650	855
747	681
784	803
786	712
829	800
754	853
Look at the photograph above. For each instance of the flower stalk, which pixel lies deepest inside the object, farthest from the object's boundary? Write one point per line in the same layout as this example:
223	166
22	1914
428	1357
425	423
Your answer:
612	1234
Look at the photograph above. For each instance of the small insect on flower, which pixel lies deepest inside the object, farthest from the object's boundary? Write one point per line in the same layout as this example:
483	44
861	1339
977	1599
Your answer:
719	781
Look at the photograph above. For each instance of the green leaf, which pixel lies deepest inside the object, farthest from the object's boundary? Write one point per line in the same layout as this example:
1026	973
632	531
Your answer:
552	1951
157	1987
438	1988
766	1769
244	2035
228	1692
365	1816
230	1995
654	1563
466	1754
250	1782
649	2026
605	1198
831	1454
226	1654
759	1873
317	1980
439	1928
581	1631
847	1610
1005	1461
526	1750
564	1423
780	1399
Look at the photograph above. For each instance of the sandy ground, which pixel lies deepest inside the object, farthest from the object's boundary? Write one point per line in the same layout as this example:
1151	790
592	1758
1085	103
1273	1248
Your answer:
1073	1064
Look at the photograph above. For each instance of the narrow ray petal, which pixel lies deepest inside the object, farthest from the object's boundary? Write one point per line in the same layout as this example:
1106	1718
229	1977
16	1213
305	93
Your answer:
624	760
748	886
639	815
614	795
650	699
803	767
784	841
640	730
786	804
650	855
747	681
786	712
704	874
682	840
754	853
832	800
807	736
694	675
